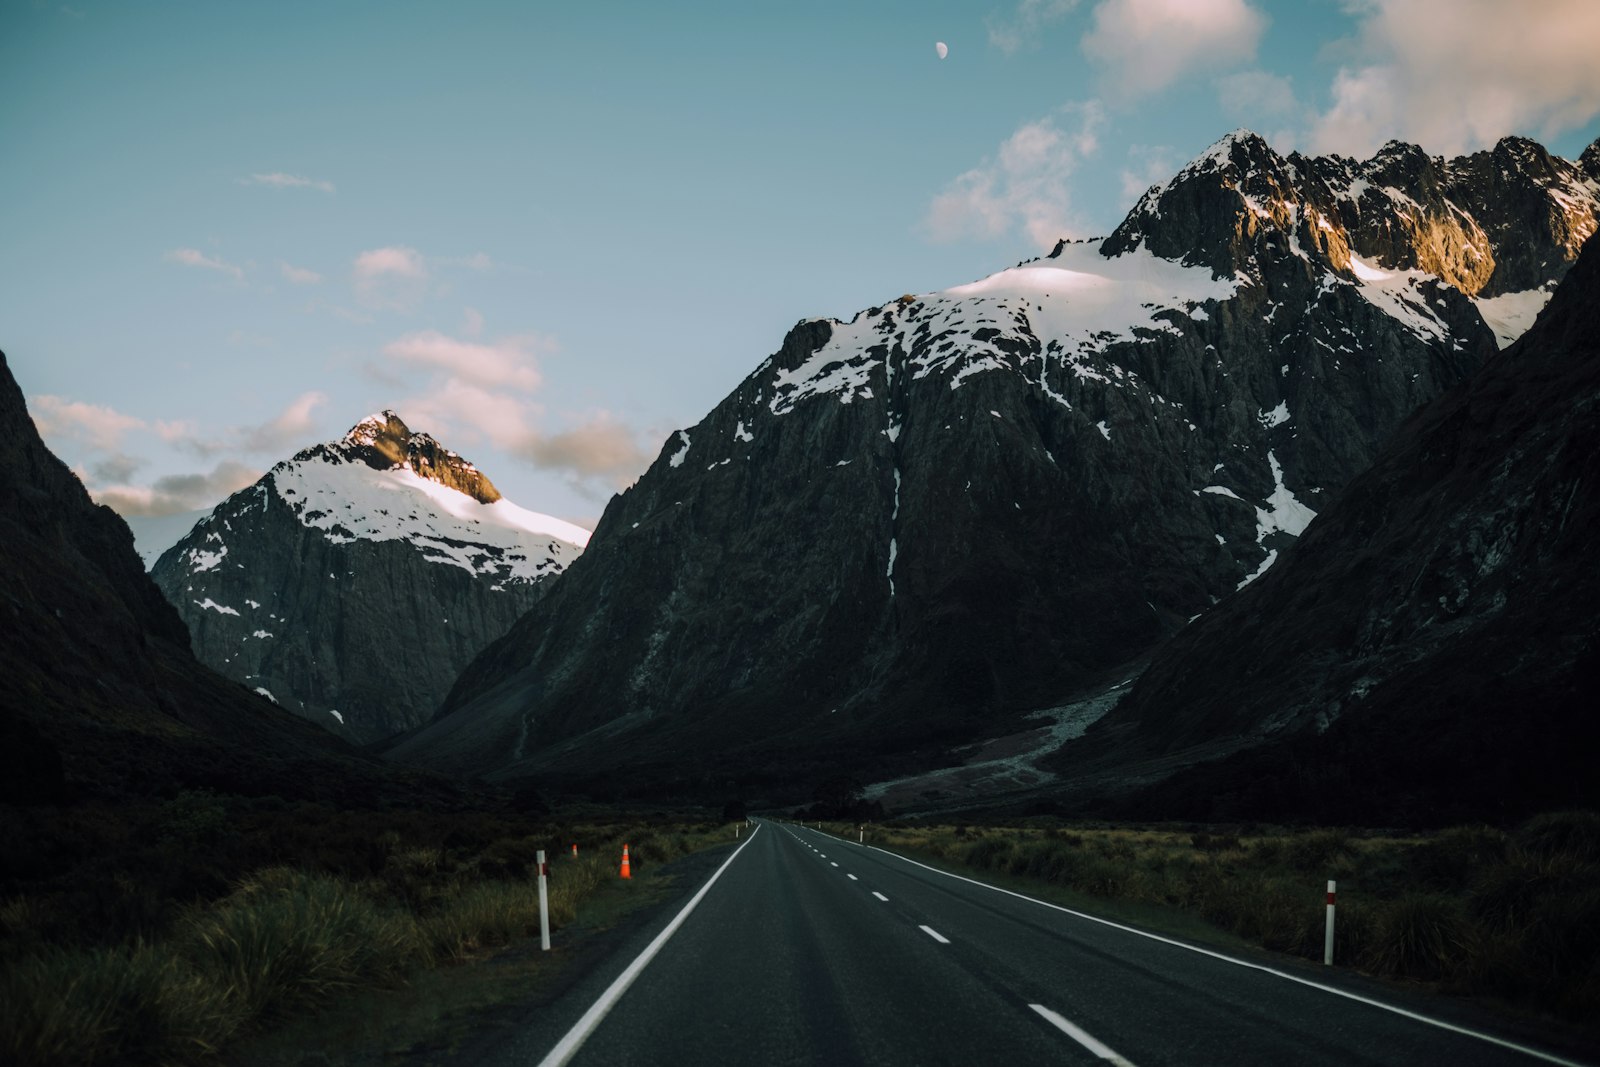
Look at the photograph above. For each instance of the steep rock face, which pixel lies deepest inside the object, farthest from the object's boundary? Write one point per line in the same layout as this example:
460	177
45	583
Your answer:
355	581
99	691
1500	225
1429	650
973	501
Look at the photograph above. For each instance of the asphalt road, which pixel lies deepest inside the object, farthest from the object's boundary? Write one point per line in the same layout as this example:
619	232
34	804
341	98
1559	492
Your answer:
804	949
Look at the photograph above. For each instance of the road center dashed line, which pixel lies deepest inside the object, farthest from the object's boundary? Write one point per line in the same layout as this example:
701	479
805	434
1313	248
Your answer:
1527	1050
936	935
1082	1036
832	864
880	896
852	877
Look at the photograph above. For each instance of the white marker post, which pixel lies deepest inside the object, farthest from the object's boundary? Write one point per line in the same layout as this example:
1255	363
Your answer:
861	835
1327	938
544	904
736	831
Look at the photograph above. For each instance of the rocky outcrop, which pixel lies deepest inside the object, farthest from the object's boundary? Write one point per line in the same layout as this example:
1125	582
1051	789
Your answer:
99	693
1502	221
355	581
965	503
1429	650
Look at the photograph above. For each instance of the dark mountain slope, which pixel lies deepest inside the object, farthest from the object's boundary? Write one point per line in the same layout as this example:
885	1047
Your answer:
903	528
99	692
1427	652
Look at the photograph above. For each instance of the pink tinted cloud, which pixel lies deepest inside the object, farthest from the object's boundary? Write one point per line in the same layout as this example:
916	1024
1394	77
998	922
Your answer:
507	363
193	257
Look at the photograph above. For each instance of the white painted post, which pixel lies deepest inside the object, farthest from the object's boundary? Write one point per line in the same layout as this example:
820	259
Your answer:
861	835
736	831
1327	939
544	905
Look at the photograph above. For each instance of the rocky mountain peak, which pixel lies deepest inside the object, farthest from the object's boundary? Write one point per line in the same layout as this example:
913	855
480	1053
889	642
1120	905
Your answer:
1589	162
1500	222
384	442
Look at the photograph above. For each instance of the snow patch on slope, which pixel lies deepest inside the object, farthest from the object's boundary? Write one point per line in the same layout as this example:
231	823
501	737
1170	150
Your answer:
1510	314
1395	293
1077	303
350	501
154	534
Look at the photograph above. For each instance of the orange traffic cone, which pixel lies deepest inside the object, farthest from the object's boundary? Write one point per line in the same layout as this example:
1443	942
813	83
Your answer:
574	851
626	873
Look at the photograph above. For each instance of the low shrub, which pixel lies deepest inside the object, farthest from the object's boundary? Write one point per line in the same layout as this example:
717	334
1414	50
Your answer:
287	939
1420	935
110	1006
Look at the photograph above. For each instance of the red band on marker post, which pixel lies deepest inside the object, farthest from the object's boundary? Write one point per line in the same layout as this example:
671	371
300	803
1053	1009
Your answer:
1330	899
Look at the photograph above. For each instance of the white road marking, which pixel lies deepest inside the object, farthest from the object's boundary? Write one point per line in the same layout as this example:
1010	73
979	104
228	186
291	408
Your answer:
1082	1037
936	935
568	1046
852	877
880	896
1440	1023
832	864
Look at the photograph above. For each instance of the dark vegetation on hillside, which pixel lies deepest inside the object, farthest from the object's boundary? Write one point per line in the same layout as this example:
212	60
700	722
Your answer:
1512	915
164	930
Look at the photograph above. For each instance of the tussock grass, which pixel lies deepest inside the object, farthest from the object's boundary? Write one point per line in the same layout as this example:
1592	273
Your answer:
287	939
1472	909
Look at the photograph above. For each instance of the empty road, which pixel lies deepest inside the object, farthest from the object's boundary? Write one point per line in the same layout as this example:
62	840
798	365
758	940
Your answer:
804	949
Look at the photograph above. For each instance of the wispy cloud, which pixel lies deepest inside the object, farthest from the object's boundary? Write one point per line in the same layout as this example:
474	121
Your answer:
485	391
298	275
176	493
509	362
1025	185
293	428
395	278
95	425
1012	32
600	447
1143	46
280	180
1456	75
193	257
117	467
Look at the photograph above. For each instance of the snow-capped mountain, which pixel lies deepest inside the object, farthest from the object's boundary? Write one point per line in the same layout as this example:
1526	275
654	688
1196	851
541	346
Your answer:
354	581
965	503
100	696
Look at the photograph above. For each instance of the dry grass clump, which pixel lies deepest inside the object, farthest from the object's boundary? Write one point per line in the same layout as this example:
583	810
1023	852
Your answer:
284	939
1474	909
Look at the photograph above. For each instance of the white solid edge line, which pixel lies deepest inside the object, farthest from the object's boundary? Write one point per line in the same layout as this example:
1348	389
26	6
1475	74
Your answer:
1082	1036
880	896
1548	1057
568	1046
936	935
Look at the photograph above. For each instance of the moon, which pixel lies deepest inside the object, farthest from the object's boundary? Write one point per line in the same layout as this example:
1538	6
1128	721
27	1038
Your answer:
942	48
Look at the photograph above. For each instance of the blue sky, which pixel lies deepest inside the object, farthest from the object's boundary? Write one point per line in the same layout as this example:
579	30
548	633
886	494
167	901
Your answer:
551	234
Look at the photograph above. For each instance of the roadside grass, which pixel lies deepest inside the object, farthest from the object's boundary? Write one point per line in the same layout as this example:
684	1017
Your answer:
178	981
1470	910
